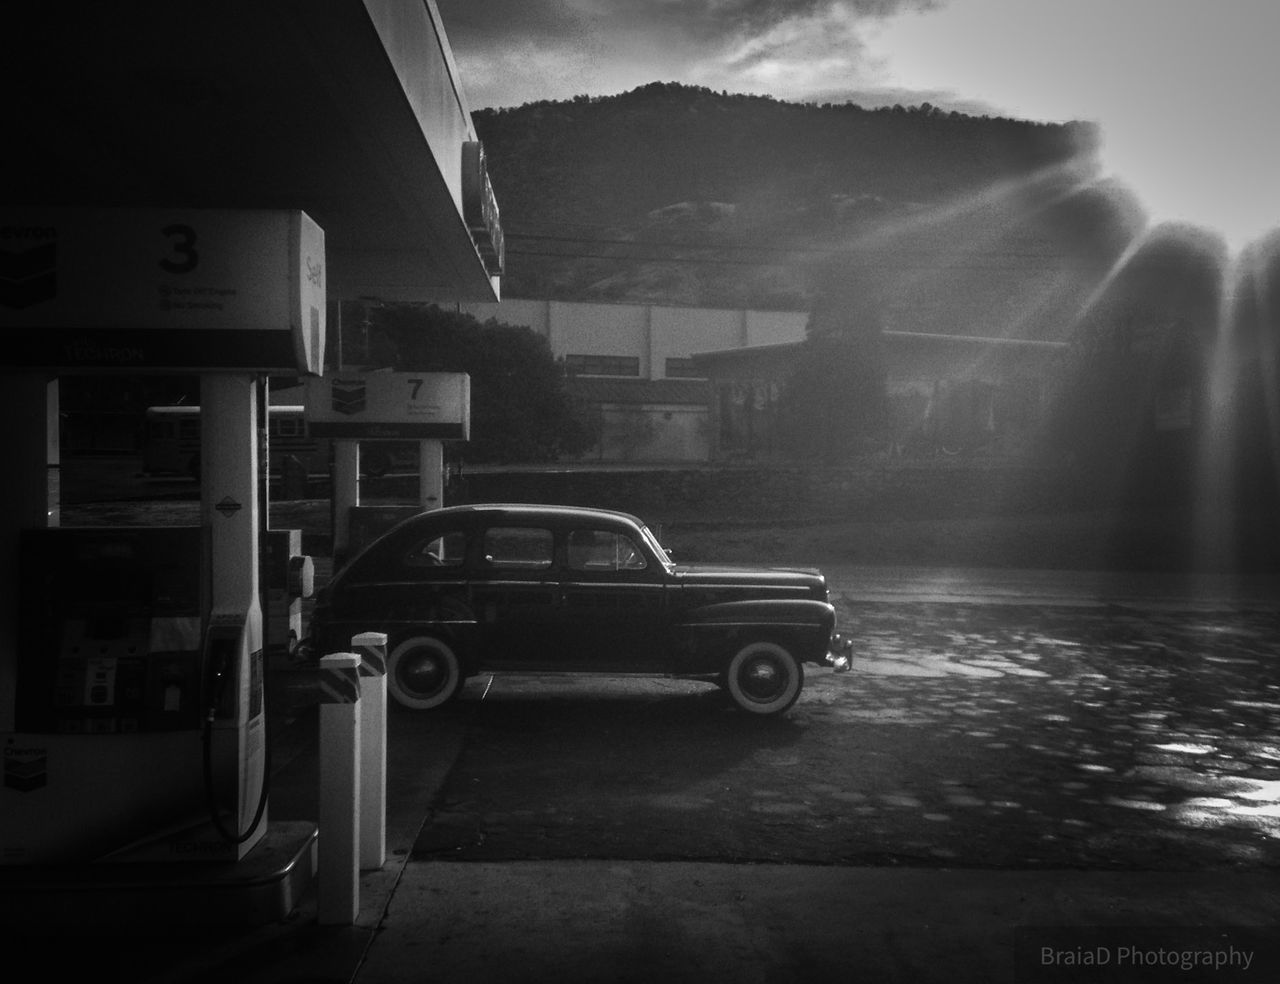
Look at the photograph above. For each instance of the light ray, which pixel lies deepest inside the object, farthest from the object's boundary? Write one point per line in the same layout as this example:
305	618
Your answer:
1216	462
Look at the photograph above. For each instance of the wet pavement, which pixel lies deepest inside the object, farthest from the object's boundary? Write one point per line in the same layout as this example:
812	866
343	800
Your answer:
1085	737
986	769
1007	736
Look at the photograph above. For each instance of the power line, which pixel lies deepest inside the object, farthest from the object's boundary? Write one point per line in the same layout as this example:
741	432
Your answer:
745	247
896	256
881	261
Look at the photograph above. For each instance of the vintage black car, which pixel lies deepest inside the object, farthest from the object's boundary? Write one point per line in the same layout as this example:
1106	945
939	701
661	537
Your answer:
521	587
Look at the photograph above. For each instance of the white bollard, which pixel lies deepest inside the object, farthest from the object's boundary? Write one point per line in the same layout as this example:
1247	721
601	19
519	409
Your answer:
372	649
338	843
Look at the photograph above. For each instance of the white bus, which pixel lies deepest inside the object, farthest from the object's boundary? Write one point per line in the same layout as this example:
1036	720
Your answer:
172	443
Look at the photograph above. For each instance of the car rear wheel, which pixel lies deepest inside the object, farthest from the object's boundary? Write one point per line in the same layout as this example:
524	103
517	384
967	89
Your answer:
764	678
423	672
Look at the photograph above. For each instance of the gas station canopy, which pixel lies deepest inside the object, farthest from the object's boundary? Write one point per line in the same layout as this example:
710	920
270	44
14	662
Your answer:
186	187
347	110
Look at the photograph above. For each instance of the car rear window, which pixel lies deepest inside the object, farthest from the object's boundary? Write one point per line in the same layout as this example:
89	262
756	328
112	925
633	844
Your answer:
519	547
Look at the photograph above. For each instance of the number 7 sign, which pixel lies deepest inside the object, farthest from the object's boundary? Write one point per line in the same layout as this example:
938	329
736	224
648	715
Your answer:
390	405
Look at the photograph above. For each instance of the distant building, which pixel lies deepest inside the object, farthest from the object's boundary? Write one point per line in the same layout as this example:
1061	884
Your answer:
633	363
696	385
947	394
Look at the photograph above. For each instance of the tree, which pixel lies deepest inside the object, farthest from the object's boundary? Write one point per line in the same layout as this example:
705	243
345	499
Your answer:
1143	350
521	409
834	405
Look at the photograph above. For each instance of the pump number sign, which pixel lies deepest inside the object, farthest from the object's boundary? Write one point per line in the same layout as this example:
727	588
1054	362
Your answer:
162	289
390	405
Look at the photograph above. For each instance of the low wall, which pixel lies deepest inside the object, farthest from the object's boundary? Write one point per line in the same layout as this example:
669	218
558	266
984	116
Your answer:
933	513
917	490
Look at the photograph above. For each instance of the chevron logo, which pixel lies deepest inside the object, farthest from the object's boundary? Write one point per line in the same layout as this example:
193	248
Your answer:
28	276
25	769
348	396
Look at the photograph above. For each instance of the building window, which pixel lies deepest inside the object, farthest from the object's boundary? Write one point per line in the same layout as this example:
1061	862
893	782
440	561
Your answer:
286	426
603	365
684	369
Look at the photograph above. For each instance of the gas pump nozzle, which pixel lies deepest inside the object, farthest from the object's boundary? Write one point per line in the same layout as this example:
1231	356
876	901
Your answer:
231	675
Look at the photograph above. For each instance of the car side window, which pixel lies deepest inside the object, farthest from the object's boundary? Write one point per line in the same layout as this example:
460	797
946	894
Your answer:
519	548
447	550
603	551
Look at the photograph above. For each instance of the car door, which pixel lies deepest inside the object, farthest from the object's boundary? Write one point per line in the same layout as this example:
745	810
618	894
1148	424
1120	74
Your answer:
613	603
515	593
404	585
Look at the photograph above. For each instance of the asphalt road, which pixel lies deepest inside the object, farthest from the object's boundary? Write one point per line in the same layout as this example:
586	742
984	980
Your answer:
986	735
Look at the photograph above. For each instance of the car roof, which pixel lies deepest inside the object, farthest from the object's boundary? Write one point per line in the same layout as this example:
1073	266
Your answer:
530	510
433	521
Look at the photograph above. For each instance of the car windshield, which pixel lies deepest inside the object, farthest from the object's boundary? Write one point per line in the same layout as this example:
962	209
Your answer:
657	549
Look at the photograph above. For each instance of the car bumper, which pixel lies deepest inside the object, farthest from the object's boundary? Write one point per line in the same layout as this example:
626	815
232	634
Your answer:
840	656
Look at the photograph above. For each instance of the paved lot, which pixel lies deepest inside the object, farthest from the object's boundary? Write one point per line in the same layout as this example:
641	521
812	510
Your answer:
970	735
984	769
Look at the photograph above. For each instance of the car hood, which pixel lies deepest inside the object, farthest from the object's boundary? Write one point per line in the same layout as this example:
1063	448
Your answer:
731	574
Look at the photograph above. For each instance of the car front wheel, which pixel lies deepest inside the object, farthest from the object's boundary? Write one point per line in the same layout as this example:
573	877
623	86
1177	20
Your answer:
423	672
764	678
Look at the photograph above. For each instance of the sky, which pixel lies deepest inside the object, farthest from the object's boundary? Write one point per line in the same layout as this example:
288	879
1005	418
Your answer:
1184	91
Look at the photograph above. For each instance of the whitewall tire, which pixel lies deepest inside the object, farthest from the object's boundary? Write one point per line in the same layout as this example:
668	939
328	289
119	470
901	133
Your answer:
764	678
423	672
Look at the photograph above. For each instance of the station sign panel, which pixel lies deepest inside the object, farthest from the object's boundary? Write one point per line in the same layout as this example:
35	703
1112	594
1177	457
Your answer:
480	208
378	405
161	289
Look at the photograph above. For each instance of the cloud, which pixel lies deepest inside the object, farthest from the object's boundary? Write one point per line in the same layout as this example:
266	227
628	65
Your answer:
487	22
1183	90
515	51
707	19
805	51
794	55
874	97
493	24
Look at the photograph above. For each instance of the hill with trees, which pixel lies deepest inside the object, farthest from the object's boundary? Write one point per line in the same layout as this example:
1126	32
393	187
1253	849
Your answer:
681	195
954	224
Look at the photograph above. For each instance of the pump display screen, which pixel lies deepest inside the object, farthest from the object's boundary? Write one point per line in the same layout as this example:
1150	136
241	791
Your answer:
153	571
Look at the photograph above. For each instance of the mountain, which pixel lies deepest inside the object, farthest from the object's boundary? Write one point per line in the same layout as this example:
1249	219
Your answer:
674	194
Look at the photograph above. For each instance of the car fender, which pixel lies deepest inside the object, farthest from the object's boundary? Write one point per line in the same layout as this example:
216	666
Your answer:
708	631
447	617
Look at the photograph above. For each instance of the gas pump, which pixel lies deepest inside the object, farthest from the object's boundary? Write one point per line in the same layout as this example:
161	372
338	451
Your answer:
290	578
234	740
138	720
354	406
122	695
140	693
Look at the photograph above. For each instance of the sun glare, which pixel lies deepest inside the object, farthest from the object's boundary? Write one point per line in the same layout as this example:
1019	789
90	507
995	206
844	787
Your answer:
1183	90
1188	127
1227	181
